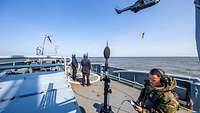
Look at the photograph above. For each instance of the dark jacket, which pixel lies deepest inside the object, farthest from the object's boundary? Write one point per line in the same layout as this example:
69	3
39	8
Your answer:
86	65
74	63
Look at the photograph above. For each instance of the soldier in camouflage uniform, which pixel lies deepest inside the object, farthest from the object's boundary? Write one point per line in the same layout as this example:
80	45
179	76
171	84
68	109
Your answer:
158	95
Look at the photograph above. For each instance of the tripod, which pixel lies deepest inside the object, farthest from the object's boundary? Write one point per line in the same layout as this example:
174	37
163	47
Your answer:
106	108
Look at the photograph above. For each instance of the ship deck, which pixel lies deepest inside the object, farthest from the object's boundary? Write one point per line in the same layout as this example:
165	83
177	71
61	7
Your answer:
41	92
90	98
48	92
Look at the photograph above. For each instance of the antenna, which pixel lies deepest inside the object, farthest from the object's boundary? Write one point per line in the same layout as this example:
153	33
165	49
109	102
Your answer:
46	37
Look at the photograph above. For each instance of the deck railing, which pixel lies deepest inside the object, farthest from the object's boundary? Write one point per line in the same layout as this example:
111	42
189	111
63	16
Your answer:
188	88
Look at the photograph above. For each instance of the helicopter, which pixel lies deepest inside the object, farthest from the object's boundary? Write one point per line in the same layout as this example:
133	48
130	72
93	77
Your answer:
138	5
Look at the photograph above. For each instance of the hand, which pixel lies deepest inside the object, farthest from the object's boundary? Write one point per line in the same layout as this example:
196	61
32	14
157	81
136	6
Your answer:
138	103
138	108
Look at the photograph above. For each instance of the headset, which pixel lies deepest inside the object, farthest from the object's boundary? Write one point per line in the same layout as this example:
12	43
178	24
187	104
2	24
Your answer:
164	79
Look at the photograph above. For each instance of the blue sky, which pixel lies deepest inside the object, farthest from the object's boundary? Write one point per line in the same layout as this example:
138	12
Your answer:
80	26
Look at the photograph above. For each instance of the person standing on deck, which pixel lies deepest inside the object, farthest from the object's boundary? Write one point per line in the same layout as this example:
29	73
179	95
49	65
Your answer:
74	67
86	65
158	95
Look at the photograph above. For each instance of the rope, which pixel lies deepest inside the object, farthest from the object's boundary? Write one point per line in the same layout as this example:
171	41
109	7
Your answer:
121	105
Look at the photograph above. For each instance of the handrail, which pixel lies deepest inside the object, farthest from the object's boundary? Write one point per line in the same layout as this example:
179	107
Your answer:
188	88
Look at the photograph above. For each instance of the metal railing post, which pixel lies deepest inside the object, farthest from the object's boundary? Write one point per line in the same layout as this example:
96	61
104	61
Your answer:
119	76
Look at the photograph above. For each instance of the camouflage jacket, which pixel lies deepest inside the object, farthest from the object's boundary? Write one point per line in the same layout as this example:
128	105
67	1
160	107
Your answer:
159	100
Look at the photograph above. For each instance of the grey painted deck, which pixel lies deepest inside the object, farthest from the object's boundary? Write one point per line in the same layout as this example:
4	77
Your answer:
45	92
90	98
48	92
